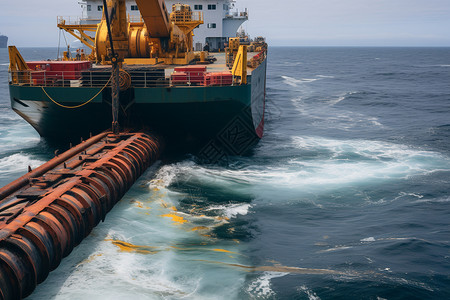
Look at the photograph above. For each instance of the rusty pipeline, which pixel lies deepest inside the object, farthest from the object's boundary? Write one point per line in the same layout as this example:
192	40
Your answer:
47	212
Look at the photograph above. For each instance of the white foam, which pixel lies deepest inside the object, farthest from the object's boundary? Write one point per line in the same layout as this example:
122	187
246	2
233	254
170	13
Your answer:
311	295
434	200
9	117
7	144
325	115
413	283
339	164
296	82
232	210
403	194
337	248
290	63
403	239
18	163
324	76
261	287
336	101
358	160
306	80
126	273
17	136
167	174
373	150
368	240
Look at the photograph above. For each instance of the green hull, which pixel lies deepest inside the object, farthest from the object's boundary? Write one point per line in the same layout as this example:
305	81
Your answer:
190	118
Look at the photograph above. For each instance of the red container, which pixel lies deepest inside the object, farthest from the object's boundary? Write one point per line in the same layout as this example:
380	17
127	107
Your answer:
196	78
58	70
179	78
196	74
207	81
187	77
218	79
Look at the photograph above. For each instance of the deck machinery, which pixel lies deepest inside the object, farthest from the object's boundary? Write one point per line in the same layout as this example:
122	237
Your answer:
156	38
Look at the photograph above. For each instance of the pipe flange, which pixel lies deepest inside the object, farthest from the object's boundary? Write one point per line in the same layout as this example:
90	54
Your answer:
124	80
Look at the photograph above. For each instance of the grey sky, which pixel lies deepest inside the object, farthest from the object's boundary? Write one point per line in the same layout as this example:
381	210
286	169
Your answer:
283	22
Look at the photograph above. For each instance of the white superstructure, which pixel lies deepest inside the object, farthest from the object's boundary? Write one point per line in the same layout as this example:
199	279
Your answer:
221	19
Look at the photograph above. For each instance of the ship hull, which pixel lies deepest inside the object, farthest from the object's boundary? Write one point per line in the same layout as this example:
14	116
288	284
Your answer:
3	41
211	120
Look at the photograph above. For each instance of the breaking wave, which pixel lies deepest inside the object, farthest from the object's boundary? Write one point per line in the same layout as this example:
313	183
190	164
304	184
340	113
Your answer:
261	287
294	82
297	82
335	164
17	163
232	210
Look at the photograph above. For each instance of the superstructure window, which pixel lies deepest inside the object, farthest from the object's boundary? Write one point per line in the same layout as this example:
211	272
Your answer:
211	7
89	7
212	25
100	8
134	7
198	7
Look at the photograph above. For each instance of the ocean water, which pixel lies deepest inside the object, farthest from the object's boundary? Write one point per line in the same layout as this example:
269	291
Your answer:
345	197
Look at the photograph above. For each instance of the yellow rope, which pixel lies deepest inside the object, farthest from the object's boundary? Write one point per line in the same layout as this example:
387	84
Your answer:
76	106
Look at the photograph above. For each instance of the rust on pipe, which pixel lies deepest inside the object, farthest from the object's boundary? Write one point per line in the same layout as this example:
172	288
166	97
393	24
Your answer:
47	212
22	181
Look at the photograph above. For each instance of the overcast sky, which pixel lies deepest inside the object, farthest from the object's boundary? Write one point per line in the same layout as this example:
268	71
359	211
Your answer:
283	22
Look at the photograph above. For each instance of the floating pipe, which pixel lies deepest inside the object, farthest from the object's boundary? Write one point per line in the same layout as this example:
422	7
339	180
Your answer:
22	181
47	212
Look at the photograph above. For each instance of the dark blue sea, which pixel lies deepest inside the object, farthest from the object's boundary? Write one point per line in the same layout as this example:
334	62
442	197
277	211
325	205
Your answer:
347	196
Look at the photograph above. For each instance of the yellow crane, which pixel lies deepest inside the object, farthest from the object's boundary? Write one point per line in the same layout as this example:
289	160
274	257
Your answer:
157	38
20	72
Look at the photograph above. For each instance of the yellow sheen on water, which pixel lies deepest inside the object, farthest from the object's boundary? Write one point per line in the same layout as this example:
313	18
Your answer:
128	247
175	218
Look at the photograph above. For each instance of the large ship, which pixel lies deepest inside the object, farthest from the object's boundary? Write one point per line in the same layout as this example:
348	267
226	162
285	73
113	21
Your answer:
210	105
3	41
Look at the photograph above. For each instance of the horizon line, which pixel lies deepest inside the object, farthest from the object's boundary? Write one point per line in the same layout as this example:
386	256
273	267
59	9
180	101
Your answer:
306	46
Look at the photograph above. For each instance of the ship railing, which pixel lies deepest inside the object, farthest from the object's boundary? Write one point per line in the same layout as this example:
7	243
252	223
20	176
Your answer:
256	60
180	17
187	16
237	14
99	79
77	21
70	20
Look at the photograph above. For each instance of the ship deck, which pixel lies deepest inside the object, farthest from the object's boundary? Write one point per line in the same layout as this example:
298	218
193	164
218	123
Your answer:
84	74
188	111
218	66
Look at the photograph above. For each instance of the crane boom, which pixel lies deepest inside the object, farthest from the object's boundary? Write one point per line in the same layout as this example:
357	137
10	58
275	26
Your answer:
161	38
156	17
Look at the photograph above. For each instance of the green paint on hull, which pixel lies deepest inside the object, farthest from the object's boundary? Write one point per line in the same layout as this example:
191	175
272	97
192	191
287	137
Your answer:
190	118
187	115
